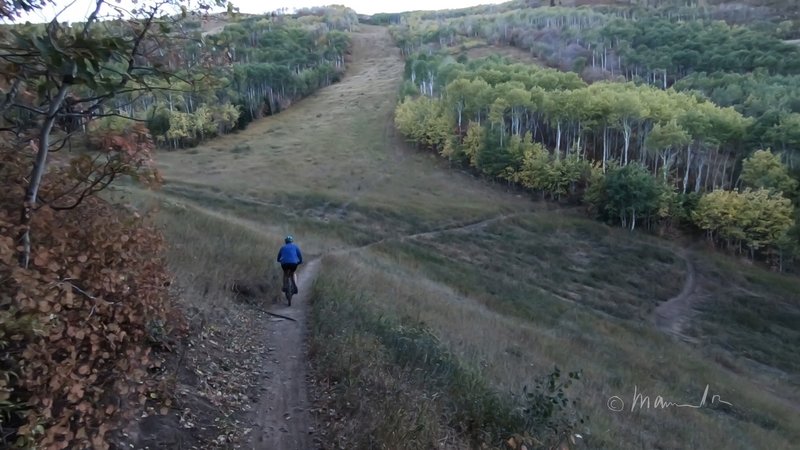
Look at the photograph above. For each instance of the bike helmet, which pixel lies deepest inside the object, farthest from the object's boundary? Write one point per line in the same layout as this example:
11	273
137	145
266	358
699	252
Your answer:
289	239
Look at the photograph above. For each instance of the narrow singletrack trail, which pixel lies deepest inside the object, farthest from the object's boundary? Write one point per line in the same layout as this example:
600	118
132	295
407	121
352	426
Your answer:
282	417
672	315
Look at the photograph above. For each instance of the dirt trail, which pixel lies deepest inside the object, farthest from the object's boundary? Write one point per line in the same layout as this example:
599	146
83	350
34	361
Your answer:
672	315
283	419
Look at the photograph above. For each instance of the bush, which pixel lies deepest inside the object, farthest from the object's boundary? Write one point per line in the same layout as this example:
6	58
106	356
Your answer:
79	324
158	122
547	407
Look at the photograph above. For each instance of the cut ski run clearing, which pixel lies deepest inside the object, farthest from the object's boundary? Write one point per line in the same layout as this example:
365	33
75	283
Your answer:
332	171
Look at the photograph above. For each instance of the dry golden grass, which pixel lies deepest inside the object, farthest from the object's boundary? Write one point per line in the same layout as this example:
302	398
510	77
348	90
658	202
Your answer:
209	251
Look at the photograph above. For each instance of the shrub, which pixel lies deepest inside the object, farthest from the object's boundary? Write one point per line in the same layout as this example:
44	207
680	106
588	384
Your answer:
77	325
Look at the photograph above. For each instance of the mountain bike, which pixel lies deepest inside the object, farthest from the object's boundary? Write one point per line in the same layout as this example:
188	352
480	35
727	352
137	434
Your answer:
288	285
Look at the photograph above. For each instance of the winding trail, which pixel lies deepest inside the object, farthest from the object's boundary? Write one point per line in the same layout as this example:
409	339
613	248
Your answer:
282	418
673	315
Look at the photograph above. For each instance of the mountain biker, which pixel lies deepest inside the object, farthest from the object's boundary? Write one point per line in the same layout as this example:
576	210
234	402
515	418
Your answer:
290	257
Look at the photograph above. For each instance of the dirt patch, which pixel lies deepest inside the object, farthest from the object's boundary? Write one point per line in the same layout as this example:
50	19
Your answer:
672	316
214	377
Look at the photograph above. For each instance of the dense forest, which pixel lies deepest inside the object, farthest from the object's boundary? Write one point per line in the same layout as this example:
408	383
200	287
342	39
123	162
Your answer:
260	66
218	82
648	115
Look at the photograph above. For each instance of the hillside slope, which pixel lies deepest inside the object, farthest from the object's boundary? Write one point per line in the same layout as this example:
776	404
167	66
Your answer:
507	287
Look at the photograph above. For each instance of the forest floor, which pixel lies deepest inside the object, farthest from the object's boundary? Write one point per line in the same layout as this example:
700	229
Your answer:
510	285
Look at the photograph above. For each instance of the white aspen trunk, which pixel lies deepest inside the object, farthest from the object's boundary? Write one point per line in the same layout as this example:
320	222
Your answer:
655	166
626	130
724	170
699	180
688	166
558	140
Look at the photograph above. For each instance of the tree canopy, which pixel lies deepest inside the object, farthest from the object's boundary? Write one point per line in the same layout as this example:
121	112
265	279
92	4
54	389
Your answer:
644	109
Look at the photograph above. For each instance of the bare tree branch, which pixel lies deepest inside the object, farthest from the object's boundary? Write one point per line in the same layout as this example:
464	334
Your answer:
59	144
28	108
92	189
92	18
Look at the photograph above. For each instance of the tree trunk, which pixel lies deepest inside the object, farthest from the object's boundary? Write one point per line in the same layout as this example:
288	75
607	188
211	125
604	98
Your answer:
688	166
558	141
605	147
626	129
698	182
717	173
39	167
655	168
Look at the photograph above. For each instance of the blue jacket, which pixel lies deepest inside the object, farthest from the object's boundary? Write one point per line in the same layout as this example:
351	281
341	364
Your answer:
290	254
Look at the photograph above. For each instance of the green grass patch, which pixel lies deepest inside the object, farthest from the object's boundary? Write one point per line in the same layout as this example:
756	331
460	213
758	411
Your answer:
538	266
516	333
752	314
314	213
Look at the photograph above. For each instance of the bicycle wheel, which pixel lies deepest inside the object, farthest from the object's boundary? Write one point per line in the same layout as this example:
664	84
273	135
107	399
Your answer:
288	290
